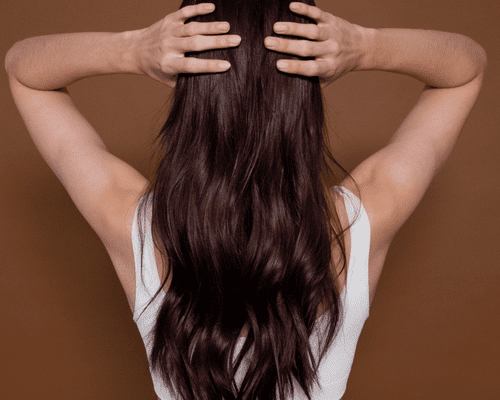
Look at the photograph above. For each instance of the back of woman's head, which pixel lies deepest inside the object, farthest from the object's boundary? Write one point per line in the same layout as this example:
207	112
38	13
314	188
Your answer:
240	213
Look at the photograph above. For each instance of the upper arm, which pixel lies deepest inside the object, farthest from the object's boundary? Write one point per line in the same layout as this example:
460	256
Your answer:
393	181
101	185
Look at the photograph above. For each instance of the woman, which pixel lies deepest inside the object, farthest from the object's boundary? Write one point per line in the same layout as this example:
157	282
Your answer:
260	277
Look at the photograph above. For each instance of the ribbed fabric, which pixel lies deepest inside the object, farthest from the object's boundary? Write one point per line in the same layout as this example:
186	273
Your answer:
336	366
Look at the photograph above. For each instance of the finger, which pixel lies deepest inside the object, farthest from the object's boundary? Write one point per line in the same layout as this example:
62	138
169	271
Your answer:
306	68
192	11
203	28
302	48
192	65
201	43
309	31
309	11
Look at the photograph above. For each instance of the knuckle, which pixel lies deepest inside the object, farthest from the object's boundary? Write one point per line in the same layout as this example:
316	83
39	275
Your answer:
298	68
301	30
213	65
303	69
287	65
165	65
314	68
283	46
192	65
185	12
291	29
206	65
303	48
218	41
208	28
316	31
187	65
322	32
192	10
190	29
200	28
196	43
212	28
290	67
295	68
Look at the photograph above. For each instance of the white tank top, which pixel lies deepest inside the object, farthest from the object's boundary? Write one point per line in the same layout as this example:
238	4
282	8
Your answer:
336	365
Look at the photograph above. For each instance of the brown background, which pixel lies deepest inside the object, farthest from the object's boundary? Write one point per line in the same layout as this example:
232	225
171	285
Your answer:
66	331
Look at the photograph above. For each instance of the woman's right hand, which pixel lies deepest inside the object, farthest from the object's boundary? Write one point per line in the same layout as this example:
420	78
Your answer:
337	45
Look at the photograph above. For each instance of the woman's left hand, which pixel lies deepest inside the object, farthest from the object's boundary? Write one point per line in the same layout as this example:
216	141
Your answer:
161	46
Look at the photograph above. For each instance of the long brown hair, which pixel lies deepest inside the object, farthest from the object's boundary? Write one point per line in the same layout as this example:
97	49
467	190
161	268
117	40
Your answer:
241	216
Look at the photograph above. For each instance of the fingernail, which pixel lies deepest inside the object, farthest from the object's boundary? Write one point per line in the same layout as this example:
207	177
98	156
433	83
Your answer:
294	6
235	40
282	64
210	7
280	28
223	26
224	65
270	42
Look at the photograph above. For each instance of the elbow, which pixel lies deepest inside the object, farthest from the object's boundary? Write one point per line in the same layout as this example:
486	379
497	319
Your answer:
485	60
9	60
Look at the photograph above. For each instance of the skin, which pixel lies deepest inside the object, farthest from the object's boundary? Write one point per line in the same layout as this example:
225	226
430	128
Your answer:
336	44
161	47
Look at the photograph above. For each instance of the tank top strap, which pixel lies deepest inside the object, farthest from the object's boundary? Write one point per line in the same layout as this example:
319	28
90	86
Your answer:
147	279
357	287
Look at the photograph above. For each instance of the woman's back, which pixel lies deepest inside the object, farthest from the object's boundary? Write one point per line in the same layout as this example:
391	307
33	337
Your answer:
334	369
389	184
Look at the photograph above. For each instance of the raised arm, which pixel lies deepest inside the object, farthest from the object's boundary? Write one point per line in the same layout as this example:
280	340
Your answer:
393	180
438	59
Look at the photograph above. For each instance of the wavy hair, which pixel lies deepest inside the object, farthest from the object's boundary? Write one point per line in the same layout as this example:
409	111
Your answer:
242	218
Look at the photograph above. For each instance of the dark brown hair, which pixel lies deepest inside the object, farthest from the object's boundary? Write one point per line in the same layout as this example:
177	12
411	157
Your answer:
240	213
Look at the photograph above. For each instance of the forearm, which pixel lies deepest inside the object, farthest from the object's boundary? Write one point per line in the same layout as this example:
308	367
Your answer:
54	61
439	59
